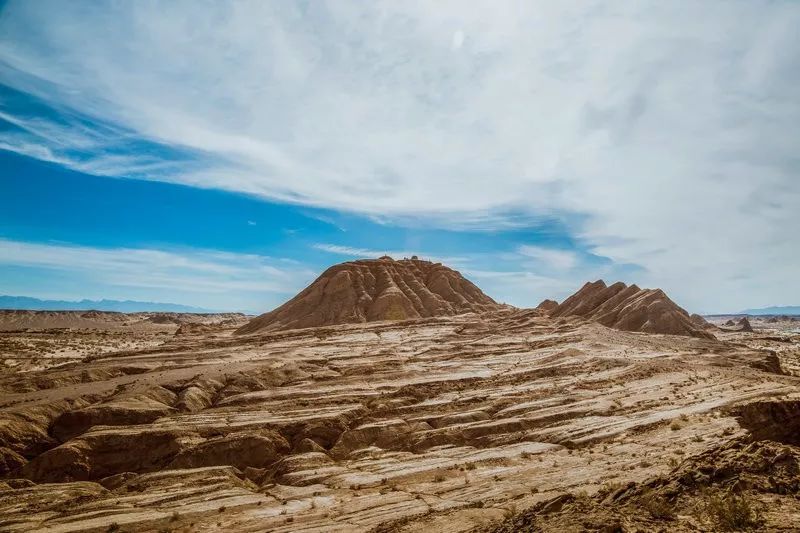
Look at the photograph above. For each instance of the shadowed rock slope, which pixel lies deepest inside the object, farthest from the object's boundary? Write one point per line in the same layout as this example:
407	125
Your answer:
376	289
630	308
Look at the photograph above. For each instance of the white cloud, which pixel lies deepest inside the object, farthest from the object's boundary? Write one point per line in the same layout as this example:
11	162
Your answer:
367	253
208	278
357	252
458	40
551	257
521	288
669	127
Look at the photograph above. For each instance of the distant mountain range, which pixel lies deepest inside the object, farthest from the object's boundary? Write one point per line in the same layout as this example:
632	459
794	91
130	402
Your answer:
126	306
775	310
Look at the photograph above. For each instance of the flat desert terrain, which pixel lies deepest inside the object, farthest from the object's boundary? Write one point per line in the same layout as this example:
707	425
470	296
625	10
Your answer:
499	420
443	424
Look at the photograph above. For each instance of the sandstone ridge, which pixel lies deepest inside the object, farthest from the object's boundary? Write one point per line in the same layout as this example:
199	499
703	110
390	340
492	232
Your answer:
630	308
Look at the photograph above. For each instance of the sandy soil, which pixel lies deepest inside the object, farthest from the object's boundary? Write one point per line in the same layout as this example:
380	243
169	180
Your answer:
37	340
442	424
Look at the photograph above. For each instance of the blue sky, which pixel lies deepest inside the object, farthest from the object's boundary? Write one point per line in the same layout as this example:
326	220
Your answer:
222	155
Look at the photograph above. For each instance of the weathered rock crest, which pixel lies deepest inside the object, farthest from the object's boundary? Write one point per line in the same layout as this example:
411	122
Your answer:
630	308
376	289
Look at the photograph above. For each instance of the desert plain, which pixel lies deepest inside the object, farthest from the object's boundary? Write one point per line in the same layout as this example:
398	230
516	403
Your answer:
394	396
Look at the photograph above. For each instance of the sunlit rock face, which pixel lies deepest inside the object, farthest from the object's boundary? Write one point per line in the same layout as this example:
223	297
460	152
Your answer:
376	289
630	308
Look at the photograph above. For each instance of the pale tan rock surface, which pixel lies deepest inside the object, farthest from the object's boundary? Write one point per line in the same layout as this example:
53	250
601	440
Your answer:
438	424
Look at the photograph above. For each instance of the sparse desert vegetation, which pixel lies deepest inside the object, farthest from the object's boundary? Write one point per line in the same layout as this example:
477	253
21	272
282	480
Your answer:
494	419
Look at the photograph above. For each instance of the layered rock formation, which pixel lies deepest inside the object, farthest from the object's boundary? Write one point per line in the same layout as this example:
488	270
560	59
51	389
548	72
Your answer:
696	492
745	325
546	306
701	322
427	425
376	289
630	308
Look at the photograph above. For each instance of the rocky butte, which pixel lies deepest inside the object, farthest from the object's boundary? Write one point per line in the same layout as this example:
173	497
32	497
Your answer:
376	289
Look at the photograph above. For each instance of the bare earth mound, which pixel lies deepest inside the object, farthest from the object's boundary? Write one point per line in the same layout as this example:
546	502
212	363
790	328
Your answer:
376	289
627	308
547	306
745	325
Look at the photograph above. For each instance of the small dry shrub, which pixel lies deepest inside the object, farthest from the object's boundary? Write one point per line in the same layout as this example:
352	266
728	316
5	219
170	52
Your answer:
731	512
510	512
658	506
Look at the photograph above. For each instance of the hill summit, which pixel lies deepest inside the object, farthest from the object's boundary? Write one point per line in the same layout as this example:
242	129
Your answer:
630	308
376	289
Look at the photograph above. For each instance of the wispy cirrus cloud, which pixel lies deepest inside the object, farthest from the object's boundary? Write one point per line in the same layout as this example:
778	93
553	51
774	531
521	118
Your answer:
200	276
367	253
671	145
550	257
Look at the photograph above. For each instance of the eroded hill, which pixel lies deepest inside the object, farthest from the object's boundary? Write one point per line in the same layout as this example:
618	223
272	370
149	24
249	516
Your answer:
630	308
376	289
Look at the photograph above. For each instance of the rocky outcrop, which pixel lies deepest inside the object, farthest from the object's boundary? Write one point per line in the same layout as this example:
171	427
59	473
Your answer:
547	306
701	322
241	450
384	434
198	395
731	475
103	452
25	430
141	409
376	289
10	461
777	420
630	308
744	325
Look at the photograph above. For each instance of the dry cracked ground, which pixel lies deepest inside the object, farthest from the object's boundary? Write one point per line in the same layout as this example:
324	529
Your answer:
507	421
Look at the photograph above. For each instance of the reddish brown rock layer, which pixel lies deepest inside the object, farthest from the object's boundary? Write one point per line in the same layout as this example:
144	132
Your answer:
376	289
547	306
630	309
